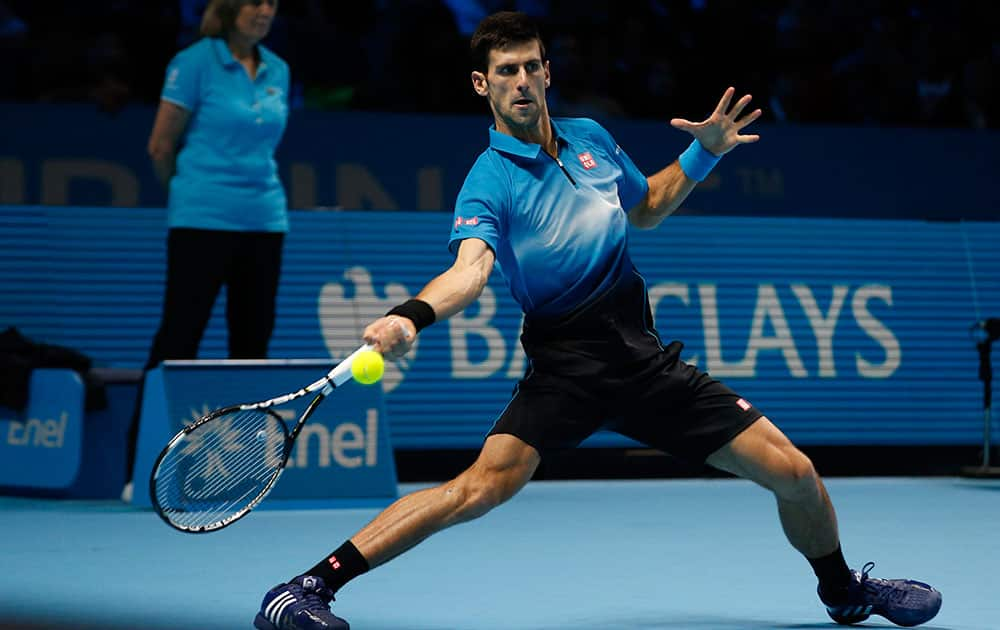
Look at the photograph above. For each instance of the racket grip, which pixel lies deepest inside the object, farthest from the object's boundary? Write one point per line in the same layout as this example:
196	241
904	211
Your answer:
342	372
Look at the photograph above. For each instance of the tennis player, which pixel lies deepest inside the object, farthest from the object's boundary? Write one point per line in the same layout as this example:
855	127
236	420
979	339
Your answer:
549	202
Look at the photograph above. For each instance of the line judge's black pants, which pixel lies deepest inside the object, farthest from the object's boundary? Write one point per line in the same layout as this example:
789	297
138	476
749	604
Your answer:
199	263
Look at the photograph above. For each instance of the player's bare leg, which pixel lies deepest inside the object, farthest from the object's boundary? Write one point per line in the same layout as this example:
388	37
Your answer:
763	454
503	467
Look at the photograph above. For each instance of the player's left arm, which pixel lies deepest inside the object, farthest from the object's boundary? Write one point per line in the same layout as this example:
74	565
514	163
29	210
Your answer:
718	134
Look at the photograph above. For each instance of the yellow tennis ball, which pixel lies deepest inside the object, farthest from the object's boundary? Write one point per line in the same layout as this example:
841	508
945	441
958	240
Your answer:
367	367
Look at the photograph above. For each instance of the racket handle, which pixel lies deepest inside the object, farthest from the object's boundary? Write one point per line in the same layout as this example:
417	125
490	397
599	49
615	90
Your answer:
342	373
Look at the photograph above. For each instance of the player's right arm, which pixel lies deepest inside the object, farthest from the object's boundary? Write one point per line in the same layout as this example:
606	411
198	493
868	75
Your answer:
171	121
447	294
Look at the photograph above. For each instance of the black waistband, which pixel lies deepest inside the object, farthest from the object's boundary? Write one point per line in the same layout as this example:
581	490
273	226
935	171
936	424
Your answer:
627	291
612	331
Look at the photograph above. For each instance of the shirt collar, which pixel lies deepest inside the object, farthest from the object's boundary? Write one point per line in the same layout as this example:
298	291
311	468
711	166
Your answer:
509	144
223	53
226	56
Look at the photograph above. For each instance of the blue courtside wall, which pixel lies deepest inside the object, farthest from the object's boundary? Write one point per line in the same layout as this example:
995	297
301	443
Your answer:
74	155
843	331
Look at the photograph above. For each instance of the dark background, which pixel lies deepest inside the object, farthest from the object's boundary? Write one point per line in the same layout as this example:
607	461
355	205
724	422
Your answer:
929	63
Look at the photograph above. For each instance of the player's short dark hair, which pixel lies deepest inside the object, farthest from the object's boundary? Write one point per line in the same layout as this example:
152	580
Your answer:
498	31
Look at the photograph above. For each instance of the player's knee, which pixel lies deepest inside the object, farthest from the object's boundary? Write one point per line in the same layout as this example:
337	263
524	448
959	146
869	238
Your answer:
476	495
798	478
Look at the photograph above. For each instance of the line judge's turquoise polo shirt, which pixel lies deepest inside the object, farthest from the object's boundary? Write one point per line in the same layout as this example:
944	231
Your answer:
226	176
559	231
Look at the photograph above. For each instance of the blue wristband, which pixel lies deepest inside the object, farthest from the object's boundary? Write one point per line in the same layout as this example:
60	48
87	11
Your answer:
697	162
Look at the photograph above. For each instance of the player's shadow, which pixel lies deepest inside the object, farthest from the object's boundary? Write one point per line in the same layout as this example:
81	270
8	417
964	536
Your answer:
713	623
990	485
873	623
717	624
686	623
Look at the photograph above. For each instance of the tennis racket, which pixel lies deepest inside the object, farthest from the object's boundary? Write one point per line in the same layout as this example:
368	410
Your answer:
220	467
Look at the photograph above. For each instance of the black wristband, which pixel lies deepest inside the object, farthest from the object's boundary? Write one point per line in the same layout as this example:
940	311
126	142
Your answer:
417	311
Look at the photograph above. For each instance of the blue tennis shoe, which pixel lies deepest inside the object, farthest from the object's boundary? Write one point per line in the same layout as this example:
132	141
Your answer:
903	602
302	604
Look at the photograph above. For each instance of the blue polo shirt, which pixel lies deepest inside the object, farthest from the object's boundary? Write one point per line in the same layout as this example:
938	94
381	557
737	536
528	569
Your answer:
226	176
559	232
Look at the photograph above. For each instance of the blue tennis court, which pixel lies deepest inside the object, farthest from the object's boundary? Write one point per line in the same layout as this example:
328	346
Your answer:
700	554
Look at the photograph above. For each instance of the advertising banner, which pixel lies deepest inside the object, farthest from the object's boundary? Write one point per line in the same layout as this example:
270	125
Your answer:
343	456
40	446
841	331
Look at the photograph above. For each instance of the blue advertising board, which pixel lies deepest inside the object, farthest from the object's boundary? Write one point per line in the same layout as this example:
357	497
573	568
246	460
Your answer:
343	456
40	446
842	331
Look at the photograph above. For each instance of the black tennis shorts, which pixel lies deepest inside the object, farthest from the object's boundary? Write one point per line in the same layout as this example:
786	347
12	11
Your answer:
605	367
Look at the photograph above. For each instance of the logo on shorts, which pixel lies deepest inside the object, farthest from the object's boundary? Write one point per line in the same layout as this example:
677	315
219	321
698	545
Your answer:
742	404
587	160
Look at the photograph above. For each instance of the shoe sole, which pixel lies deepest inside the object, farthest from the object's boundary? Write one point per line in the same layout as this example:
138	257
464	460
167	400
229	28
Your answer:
906	623
848	621
261	623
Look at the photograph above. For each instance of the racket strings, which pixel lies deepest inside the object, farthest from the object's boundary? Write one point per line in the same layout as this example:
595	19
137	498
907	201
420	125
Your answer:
219	468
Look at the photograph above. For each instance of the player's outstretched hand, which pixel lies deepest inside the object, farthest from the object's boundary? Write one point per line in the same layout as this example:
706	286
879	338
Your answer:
720	132
391	336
